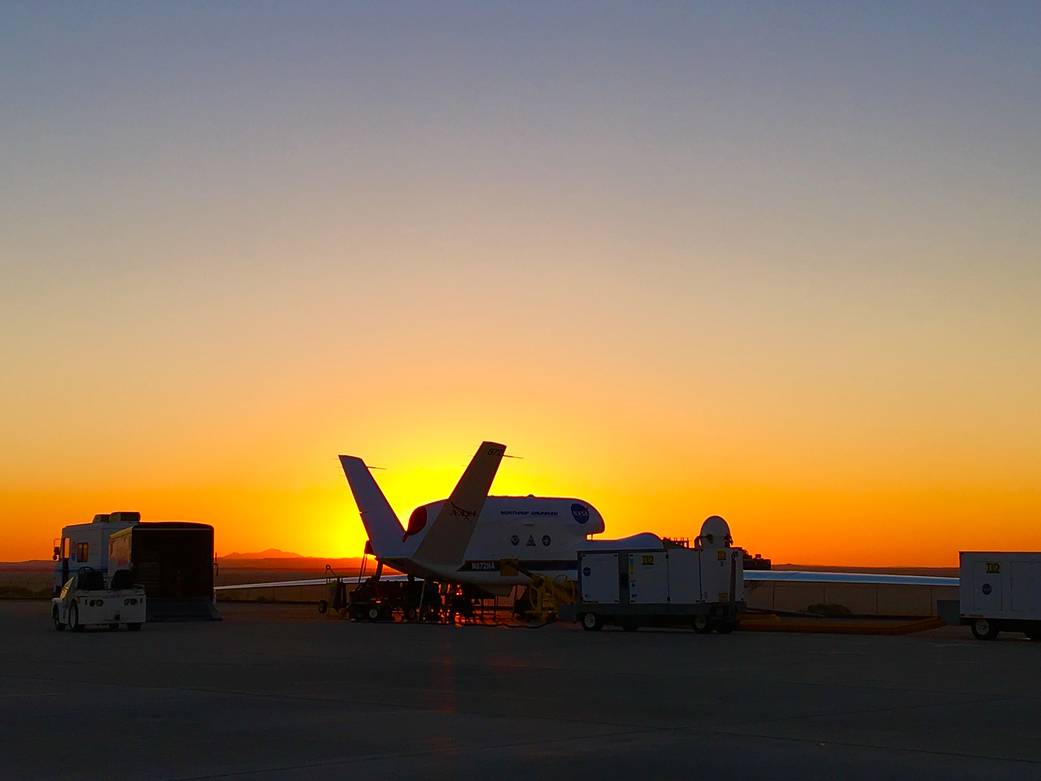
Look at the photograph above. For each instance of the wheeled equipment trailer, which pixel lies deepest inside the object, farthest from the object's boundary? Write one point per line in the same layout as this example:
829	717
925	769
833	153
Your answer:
1000	591
667	585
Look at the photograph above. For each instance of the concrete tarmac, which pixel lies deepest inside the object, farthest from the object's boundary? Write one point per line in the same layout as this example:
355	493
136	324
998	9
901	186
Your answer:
280	693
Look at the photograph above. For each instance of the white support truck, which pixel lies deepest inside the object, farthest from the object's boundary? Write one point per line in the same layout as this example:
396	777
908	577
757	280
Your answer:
86	544
1000	591
87	600
664	584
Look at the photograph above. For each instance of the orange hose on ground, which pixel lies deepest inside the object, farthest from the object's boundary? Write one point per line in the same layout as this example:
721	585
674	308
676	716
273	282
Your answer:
772	623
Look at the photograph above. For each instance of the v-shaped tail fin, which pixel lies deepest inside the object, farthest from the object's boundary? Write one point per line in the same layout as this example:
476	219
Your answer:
380	522
449	535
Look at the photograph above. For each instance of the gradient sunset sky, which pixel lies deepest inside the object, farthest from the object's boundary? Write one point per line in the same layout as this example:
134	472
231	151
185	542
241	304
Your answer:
779	262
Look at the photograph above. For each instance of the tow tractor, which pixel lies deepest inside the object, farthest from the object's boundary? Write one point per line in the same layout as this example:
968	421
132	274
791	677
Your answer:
86	600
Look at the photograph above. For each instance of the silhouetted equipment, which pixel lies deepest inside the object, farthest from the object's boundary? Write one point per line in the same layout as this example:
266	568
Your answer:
410	599
376	600
337	587
173	561
664	584
543	596
757	562
123	516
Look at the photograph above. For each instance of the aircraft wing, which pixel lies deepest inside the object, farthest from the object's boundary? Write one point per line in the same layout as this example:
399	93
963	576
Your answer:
308	582
863	578
772	576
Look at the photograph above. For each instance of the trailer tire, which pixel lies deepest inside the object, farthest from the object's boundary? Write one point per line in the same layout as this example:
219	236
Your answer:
74	618
984	629
591	622
133	627
58	625
701	624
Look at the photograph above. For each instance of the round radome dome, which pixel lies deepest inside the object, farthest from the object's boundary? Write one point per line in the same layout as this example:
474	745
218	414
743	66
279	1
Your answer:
715	531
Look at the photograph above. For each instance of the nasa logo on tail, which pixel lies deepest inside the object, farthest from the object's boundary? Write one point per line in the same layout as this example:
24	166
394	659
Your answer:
580	511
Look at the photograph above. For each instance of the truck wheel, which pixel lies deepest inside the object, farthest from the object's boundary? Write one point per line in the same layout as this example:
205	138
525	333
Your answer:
74	619
1034	634
133	627
591	622
701	625
725	627
374	613
982	629
58	625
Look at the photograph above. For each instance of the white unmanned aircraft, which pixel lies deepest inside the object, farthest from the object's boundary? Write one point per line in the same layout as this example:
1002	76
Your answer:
463	539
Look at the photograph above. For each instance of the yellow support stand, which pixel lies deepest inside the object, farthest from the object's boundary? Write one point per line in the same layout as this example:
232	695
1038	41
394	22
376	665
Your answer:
545	595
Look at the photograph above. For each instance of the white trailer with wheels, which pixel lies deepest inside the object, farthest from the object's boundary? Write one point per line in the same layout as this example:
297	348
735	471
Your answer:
87	600
1000	591
663	584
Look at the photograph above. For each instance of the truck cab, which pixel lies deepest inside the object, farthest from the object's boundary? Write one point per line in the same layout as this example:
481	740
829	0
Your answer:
87	600
86	544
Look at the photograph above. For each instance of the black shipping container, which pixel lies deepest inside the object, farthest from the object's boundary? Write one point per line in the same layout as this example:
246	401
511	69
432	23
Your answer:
173	560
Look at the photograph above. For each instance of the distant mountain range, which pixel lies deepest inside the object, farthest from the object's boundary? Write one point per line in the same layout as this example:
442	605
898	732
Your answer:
268	553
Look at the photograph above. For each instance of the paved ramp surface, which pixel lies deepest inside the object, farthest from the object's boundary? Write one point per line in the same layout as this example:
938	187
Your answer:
278	693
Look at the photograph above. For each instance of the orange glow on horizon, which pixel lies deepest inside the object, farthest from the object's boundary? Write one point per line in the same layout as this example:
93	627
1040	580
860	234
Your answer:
300	501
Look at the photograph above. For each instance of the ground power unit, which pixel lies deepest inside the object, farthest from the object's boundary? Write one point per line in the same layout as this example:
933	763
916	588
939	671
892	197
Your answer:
700	586
1000	591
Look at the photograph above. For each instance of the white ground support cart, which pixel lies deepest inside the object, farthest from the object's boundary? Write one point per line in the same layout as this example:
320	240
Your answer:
663	584
86	600
1000	591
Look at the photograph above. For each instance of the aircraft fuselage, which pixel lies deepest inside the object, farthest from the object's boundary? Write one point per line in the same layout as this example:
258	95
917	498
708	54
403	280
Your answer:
542	533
